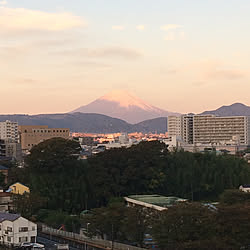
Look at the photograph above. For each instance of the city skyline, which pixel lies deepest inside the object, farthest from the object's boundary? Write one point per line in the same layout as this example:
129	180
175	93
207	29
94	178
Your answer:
182	56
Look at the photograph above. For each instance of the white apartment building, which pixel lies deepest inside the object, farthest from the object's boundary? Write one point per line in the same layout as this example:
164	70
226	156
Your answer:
174	126
15	230
221	130
181	127
211	129
9	131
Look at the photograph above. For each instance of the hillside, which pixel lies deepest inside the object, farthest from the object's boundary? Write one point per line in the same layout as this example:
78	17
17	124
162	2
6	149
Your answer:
236	109
88	123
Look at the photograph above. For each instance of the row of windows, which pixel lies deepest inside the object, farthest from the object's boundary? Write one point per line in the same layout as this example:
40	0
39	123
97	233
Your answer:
47	131
46	135
21	229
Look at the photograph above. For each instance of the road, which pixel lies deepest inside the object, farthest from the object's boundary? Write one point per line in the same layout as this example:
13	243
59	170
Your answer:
50	244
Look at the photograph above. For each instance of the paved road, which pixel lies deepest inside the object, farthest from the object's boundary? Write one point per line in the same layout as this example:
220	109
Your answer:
50	244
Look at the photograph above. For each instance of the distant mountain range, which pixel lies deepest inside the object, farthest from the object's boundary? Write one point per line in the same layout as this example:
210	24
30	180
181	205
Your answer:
236	109
123	105
89	123
117	104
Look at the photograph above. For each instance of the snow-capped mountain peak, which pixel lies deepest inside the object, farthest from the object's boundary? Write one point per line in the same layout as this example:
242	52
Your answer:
125	99
123	105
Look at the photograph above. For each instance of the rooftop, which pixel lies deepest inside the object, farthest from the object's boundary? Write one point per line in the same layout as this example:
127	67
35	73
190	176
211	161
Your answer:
157	200
246	186
3	167
8	216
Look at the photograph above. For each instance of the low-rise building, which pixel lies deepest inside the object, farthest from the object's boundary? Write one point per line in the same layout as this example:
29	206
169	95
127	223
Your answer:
6	202
10	149
14	230
18	188
33	135
155	201
245	188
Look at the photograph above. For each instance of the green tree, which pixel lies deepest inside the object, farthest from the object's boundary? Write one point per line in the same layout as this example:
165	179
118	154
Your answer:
28	204
119	172
136	224
106	221
234	196
56	174
185	226
233	225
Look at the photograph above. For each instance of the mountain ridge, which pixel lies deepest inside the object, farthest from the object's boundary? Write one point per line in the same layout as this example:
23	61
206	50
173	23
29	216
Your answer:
235	109
87	123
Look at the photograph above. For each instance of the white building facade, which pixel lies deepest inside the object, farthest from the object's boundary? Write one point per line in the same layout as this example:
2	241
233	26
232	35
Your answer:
15	230
174	126
9	131
211	129
221	130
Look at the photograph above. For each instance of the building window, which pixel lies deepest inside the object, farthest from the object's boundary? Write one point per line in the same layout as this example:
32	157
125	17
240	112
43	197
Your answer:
9	229
23	229
23	239
9	238
33	228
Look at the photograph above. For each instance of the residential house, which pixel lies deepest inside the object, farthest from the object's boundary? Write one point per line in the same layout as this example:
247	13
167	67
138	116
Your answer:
245	188
18	188
14	229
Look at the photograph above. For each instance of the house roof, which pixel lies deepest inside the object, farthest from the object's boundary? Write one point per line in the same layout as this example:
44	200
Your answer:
5	194
18	183
246	186
3	167
8	216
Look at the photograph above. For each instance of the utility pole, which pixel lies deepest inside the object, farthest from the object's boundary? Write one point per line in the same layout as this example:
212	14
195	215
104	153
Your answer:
86	247
112	236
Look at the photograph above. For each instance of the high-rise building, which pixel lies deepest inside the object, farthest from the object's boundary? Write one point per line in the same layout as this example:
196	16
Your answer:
9	131
174	126
221	130
187	128
211	129
181	127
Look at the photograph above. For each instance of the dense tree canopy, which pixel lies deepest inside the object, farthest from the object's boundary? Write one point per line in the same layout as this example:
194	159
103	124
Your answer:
149	168
55	173
135	170
118	222
64	185
202	226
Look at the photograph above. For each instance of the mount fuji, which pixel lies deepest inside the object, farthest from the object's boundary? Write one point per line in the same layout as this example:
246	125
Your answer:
124	105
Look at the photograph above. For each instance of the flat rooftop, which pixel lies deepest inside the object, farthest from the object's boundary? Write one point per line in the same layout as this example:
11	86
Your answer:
157	200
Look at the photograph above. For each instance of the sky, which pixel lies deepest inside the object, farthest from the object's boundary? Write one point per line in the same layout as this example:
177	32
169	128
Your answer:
181	56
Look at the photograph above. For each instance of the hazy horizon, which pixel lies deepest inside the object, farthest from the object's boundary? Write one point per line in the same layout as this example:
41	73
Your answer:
180	56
